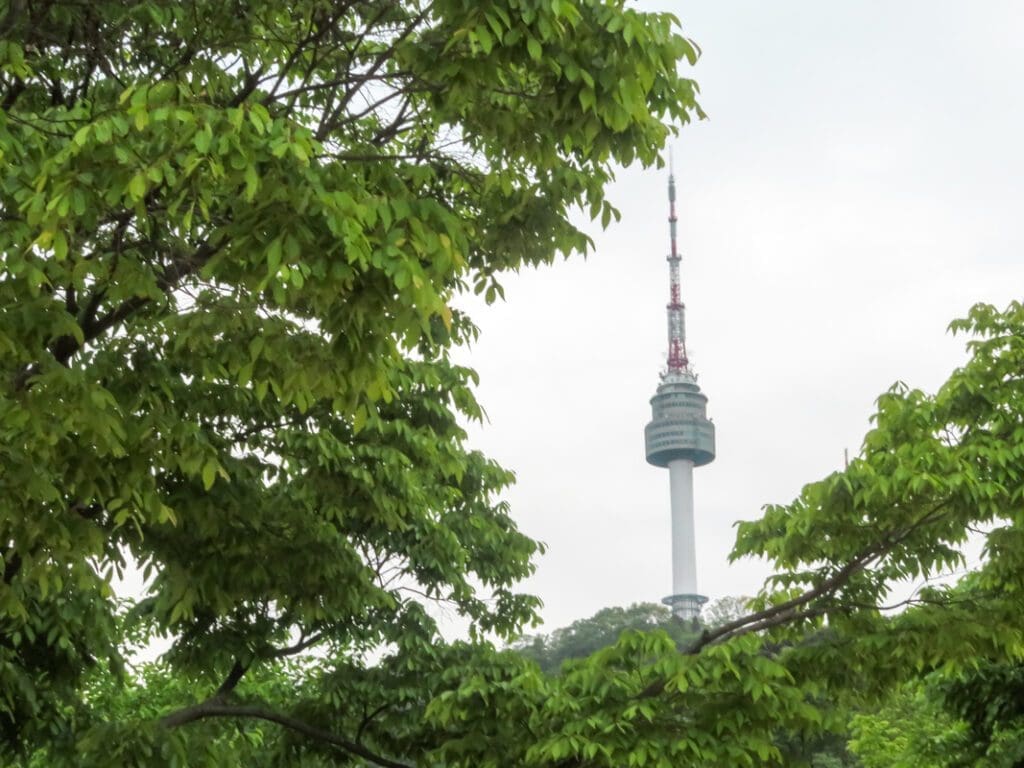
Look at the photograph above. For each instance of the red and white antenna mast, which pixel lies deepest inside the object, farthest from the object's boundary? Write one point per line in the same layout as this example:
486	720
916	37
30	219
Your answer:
678	362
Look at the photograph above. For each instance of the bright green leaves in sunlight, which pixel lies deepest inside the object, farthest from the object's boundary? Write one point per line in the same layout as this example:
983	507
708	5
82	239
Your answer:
231	238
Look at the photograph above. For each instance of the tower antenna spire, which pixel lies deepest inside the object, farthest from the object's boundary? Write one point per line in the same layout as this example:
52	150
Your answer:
678	361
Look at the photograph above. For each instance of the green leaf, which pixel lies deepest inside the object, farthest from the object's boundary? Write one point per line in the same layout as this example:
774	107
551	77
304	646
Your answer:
209	473
60	246
533	47
273	255
202	139
252	182
137	186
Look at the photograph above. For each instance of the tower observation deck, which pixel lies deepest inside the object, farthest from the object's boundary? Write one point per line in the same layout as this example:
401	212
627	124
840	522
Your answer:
680	437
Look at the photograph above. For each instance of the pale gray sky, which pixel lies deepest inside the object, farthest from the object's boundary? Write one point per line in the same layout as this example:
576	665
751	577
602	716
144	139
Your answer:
858	185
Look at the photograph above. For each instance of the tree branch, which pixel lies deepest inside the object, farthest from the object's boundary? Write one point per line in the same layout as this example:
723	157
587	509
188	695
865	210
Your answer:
290	650
368	718
798	607
217	707
329	122
65	347
232	680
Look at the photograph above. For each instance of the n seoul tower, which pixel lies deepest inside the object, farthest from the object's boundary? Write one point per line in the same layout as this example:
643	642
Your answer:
680	437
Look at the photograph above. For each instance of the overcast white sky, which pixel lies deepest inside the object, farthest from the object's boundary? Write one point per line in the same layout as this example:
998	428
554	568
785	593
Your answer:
858	185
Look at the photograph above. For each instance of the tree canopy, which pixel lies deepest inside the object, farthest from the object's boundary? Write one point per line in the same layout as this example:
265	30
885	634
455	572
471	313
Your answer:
970	717
231	236
585	636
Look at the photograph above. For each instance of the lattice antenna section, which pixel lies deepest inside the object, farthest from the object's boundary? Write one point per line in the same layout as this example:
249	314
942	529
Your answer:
678	361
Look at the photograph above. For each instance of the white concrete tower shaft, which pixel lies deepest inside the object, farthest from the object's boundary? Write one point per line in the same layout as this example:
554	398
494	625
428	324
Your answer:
684	545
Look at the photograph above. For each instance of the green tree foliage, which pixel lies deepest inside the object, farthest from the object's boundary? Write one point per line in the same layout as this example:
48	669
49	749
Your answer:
989	703
230	237
584	637
909	730
231	234
601	630
974	717
724	610
587	636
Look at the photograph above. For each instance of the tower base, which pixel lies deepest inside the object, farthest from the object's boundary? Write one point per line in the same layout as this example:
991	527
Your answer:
685	606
